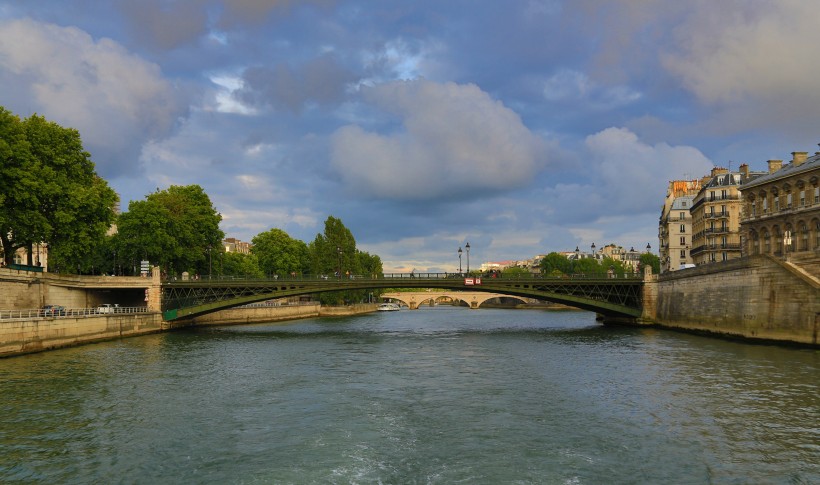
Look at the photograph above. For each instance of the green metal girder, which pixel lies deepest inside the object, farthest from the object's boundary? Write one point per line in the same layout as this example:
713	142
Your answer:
609	296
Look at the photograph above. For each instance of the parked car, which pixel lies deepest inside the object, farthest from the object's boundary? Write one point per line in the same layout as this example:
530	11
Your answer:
53	310
108	308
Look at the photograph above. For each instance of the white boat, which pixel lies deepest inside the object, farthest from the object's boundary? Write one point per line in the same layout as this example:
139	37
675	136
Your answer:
388	307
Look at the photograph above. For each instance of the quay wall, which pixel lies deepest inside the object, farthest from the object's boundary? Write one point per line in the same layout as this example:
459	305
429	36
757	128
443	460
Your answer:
261	314
23	336
756	297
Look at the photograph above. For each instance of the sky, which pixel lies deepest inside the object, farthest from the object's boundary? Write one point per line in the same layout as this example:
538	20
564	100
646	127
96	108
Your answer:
520	127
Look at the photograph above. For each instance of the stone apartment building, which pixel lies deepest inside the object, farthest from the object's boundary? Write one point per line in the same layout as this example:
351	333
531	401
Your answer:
675	225
781	209
716	215
234	245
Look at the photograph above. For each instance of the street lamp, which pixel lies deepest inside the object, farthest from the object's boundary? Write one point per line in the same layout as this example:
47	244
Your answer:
210	259
593	250
648	247
459	259
339	251
467	246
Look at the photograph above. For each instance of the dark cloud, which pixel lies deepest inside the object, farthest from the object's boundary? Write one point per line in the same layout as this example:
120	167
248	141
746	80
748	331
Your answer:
322	81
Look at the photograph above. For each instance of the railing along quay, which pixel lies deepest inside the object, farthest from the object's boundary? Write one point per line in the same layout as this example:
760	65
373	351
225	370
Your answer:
67	312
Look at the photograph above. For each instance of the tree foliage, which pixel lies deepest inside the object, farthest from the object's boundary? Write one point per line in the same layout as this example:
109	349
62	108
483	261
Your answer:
50	192
334	253
238	264
650	260
177	228
280	254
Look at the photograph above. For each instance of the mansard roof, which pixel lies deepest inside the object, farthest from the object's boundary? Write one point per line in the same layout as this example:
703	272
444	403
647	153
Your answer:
811	164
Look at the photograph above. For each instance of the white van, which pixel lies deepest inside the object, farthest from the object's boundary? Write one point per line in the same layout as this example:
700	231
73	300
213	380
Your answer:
108	308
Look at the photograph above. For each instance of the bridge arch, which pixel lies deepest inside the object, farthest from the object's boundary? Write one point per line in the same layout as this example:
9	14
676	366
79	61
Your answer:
474	299
614	298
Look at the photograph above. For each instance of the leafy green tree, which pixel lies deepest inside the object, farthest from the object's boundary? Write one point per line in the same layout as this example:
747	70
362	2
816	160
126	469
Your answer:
238	264
177	228
588	266
51	192
555	264
369	265
279	254
334	253
515	272
650	260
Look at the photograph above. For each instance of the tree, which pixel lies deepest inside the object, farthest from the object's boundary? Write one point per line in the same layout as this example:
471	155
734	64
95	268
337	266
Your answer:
555	264
515	272
177	228
279	254
651	260
334	252
51	192
238	264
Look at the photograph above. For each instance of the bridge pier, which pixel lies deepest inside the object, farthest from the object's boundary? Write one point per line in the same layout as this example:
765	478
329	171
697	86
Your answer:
649	311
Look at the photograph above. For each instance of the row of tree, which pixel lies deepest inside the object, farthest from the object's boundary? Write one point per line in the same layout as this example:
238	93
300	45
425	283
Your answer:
556	264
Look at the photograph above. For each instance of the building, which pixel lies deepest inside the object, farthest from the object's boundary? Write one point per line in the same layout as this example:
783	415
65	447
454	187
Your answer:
716	215
675	225
234	245
781	209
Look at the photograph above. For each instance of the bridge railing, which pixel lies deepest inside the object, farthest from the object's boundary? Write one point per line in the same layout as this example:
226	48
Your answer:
31	313
400	276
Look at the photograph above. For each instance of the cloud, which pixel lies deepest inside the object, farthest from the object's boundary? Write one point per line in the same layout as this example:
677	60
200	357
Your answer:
115	99
453	141
322	81
573	86
636	174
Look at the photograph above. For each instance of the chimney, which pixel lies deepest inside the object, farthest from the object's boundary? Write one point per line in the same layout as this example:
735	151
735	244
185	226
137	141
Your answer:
719	171
744	170
798	158
774	165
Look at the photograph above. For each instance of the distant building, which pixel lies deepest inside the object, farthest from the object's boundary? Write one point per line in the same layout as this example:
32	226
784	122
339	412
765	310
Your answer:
781	209
233	245
675	225
716	215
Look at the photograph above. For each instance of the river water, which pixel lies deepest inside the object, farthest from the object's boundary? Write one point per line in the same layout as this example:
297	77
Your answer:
439	395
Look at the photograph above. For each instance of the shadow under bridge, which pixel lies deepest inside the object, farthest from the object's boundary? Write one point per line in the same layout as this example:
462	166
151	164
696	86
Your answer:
611	297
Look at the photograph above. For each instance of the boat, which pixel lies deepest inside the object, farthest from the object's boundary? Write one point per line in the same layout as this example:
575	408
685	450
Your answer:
388	307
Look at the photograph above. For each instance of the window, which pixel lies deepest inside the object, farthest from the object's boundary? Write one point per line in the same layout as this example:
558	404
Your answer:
723	194
683	228
789	200
712	195
682	216
765	205
776	203
725	256
683	204
683	240
723	210
802	198
817	195
683	254
754	207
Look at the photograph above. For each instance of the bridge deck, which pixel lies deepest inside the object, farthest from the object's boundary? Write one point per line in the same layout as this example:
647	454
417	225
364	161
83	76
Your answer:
610	296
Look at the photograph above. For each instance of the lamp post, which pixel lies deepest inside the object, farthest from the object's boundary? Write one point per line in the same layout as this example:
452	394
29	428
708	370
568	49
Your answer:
459	259
787	241
467	246
648	247
210	260
339	252
593	250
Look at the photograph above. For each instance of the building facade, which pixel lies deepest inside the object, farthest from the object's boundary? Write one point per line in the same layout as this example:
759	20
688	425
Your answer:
675	225
716	215
781	210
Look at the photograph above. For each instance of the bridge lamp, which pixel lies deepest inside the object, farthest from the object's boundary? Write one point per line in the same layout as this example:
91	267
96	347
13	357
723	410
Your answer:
459	259
339	251
467	246
593	250
648	247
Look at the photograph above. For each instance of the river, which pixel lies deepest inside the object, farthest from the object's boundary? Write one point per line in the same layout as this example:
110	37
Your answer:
441	395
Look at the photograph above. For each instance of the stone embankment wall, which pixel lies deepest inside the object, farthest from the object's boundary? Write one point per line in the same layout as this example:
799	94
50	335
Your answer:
261	314
756	297
38	334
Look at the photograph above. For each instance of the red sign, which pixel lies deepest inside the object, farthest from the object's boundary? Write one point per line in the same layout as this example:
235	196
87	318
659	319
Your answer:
472	281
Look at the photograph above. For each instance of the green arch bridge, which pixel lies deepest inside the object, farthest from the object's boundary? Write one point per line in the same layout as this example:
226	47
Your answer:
614	298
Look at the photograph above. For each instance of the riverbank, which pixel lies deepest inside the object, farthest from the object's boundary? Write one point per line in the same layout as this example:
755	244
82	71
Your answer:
25	336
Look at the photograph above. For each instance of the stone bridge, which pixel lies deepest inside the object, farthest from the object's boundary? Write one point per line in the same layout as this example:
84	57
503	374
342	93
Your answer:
414	299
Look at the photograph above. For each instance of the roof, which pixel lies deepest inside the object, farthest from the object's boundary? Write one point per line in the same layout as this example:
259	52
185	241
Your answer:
811	164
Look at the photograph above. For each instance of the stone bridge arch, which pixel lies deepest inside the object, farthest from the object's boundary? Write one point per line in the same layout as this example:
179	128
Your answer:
474	299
